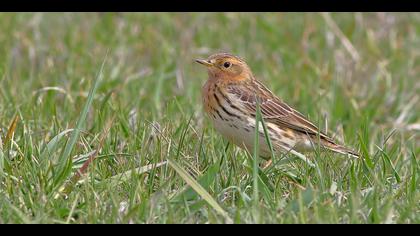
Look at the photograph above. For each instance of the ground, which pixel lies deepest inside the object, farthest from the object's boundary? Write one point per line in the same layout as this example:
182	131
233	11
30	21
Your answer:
155	158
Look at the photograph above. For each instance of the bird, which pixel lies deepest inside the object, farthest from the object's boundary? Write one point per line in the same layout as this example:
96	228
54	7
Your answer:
232	96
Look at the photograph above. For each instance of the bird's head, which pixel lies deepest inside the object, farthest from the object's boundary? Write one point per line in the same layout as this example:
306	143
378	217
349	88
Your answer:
227	67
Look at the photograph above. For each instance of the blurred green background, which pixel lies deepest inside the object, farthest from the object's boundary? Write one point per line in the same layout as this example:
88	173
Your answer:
355	74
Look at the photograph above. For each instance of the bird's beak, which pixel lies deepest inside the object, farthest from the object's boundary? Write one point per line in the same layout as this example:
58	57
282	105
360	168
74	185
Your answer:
203	62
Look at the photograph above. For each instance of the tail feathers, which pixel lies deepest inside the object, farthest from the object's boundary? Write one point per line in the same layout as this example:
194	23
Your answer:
341	149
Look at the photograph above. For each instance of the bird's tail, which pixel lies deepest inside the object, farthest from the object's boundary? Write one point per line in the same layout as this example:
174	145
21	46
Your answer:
341	149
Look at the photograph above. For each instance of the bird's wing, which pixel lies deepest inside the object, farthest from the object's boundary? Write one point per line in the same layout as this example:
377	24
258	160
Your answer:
273	109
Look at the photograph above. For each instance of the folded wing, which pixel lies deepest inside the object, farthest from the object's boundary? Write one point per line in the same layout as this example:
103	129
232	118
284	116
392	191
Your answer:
274	110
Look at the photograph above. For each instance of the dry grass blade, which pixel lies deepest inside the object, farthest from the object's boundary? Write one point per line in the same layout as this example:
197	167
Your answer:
11	130
57	89
125	176
344	40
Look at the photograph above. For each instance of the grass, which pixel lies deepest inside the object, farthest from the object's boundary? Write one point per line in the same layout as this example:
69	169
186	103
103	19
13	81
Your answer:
155	157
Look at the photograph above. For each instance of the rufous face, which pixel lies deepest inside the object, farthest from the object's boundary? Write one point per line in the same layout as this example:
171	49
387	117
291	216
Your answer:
225	66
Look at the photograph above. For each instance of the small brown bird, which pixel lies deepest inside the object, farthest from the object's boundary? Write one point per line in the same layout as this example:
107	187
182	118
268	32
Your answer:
230	98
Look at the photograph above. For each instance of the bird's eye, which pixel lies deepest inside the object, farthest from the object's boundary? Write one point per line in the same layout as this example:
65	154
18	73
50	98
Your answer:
226	64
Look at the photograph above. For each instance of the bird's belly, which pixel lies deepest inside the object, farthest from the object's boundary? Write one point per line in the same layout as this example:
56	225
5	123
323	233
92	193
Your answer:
242	134
236	131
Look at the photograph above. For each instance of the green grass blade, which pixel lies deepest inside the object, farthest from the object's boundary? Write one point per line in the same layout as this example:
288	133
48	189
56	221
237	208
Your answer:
388	160
22	217
1	164
64	159
413	181
52	145
199	189
205	181
256	197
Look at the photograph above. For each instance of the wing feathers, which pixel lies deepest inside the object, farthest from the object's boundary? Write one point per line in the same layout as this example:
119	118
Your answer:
273	109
